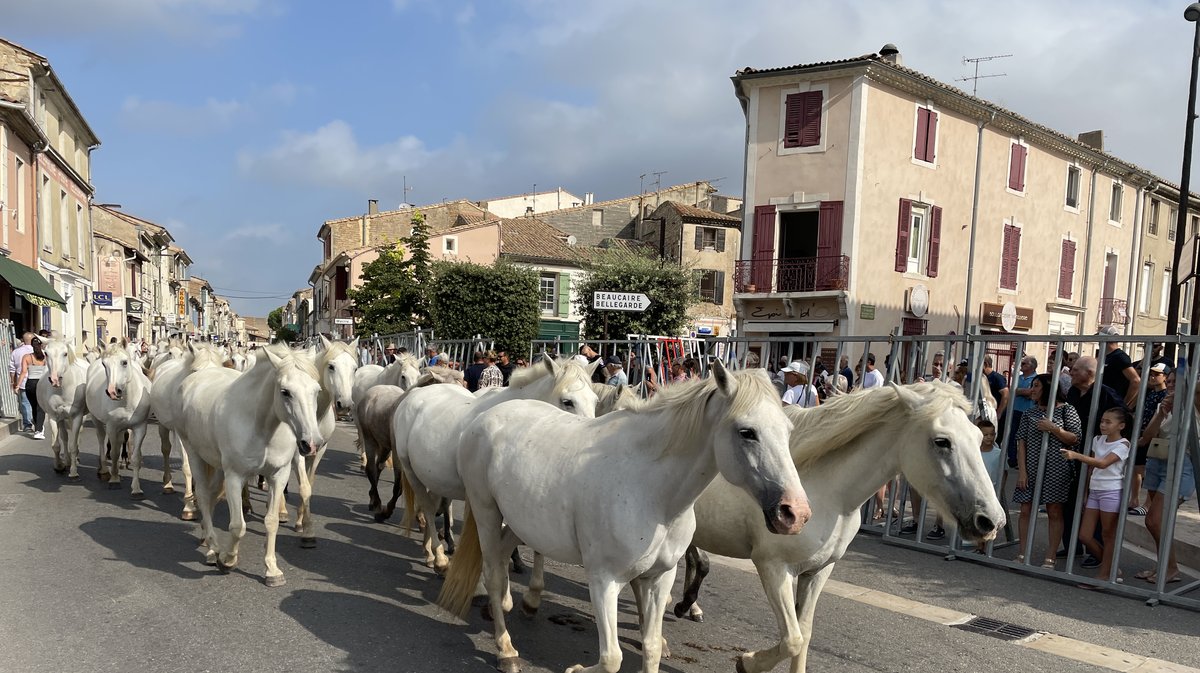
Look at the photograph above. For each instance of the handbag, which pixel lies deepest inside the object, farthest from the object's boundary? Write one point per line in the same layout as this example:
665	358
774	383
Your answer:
1158	449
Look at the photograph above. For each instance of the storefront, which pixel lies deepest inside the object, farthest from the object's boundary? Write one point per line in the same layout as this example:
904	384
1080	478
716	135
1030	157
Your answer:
1007	318
784	319
24	290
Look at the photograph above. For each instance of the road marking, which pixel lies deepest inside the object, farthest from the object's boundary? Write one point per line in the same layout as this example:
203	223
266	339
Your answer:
1068	648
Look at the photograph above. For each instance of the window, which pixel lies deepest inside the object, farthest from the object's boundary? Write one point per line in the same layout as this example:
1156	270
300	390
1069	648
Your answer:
45	231
1144	294
711	286
1152	219
450	245
598	217
918	238
1172	221
802	119
925	145
1195	226
1066	270
1165	297
1016	166
134	270
548	289
341	283
1185	302
711	238
1114	209
19	214
1073	175
1010	252
79	231
329	245
63	224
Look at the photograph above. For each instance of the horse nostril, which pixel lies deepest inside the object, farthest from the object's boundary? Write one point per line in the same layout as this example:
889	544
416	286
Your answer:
787	516
984	524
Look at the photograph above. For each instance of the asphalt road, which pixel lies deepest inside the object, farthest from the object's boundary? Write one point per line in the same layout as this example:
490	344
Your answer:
94	581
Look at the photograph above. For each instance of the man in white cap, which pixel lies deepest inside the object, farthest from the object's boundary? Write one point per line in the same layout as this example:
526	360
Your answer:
799	391
1119	373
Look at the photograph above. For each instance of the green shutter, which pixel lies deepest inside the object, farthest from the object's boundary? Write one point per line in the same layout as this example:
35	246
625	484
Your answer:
564	295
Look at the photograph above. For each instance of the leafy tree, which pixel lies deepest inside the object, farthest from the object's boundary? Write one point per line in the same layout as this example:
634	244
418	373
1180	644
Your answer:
671	289
389	295
286	335
275	319
498	301
417	244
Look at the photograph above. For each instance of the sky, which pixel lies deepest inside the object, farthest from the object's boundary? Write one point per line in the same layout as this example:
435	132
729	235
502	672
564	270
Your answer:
242	125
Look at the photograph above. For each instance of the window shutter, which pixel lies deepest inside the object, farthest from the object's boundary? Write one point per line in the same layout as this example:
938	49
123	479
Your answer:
902	231
1010	262
1021	174
564	295
764	247
1014	167
1066	270
829	246
699	238
935	241
931	135
721	239
922	134
810	125
720	287
793	119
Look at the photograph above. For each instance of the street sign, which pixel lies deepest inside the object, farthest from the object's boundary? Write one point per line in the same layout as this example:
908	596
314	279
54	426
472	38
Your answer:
343	321
620	301
102	298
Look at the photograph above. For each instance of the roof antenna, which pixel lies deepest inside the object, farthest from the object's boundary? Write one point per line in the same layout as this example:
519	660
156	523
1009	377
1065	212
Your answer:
974	79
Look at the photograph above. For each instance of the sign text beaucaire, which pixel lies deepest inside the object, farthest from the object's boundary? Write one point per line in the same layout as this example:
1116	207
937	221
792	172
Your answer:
620	301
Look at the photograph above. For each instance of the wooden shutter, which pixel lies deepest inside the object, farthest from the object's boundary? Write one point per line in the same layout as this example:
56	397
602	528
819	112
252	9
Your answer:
764	247
903	228
719	291
699	238
793	120
1016	167
721	239
926	134
810	124
1066	270
1010	257
931	136
1024	158
564	295
935	241
829	246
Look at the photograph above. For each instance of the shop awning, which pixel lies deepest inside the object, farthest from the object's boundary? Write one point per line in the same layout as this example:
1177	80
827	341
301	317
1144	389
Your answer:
30	284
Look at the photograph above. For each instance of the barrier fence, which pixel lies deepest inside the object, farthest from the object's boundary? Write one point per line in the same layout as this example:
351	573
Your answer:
8	341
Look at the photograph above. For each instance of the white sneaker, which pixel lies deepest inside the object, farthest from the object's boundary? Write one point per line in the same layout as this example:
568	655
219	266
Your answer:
39	435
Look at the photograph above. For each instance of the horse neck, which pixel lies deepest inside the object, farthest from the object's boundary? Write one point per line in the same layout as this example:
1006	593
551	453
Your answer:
252	396
844	478
688	467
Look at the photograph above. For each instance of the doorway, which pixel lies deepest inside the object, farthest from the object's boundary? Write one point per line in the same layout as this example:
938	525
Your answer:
797	250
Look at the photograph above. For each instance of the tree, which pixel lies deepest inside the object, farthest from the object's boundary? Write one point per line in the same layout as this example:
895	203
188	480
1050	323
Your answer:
498	301
275	319
671	289
286	335
389	295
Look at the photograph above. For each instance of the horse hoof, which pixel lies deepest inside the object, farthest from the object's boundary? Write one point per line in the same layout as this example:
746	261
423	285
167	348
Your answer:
226	567
138	496
308	542
528	610
188	516
699	619
479	601
74	478
168	490
60	469
740	667
380	517
509	665
114	485
274	580
102	475
679	611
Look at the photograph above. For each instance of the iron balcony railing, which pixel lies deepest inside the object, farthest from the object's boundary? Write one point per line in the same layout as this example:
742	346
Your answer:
1113	311
794	274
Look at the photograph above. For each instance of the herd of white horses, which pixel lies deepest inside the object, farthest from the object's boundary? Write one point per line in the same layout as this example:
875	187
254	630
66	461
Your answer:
582	473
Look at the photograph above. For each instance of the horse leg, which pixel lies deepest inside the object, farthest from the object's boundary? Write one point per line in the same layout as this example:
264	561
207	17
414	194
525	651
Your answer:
808	589
206	495
125	450
164	445
102	470
114	444
274	576
136	436
653	594
693	577
780	587
235	485
427	503
50	427
304	520
373	470
495	577
72	442
397	487
189	492
604	591
537	584
446	509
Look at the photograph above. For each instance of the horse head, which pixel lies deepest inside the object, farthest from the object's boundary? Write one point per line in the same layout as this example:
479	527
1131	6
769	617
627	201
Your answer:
238	357
750	436
337	362
297	387
566	384
941	440
58	358
118	365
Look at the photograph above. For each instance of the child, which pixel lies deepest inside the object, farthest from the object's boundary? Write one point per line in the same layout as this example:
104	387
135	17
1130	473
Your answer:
1110	450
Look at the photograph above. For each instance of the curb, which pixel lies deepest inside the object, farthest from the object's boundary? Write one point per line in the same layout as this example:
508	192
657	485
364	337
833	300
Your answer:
1187	552
9	427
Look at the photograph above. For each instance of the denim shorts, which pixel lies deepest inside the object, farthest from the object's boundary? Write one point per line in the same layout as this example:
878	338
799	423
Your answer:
1156	477
1105	501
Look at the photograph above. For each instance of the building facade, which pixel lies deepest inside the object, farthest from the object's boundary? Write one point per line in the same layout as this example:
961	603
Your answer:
534	203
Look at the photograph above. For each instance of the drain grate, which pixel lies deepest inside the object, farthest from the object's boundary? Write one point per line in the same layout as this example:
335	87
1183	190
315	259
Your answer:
996	629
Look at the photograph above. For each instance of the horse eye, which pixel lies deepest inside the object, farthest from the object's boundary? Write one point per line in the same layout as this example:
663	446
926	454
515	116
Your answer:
748	434
331	368
569	403
942	443
285	393
124	363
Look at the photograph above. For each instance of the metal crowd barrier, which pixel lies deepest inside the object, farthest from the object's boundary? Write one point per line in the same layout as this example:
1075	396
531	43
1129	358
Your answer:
8	341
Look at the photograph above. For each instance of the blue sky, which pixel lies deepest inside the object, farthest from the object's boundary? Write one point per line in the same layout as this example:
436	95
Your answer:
244	124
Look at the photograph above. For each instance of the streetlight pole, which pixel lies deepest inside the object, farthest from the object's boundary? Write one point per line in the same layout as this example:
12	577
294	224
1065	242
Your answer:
1192	14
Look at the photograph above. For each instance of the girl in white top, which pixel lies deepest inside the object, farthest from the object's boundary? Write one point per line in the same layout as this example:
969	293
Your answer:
1110	450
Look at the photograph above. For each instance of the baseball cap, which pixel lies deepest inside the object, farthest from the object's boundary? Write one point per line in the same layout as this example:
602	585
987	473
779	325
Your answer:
798	367
1108	330
1160	367
612	360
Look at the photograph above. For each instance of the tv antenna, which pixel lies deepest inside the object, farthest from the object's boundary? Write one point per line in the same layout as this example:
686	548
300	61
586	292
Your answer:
407	189
657	181
974	79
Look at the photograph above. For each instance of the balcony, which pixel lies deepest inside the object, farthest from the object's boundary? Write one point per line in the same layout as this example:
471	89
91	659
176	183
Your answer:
1113	311
796	274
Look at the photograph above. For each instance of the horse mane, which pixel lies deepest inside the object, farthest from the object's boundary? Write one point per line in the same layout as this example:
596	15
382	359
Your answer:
335	349
614	398
843	418
686	402
570	371
408	360
304	364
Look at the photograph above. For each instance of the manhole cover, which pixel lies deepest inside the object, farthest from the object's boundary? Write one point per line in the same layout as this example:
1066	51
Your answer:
996	629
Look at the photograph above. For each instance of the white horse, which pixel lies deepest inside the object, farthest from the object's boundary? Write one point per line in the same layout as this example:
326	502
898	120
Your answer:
235	426
118	397
594	492
172	351
167	404
843	450
427	424
61	395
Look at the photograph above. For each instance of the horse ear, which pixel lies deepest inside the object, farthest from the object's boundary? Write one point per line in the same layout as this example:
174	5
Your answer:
910	399
725	381
276	359
550	364
325	343
592	367
354	345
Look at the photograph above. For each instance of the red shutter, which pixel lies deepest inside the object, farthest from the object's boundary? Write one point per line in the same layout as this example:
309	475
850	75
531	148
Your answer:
931	136
922	134
810	127
935	241
764	247
1010	257
903	227
1016	168
829	246
1024	157
1066	270
793	118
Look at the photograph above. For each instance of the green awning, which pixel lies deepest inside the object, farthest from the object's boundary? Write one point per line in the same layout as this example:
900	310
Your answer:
30	284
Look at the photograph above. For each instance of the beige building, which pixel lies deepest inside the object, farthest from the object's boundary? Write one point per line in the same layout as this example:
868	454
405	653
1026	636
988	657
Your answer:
879	198
132	294
62	184
534	203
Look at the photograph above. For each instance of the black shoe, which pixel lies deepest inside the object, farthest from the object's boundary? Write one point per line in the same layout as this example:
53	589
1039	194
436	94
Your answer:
936	534
1089	561
908	528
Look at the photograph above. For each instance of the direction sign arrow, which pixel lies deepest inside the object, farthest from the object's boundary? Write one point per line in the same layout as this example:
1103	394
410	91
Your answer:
620	301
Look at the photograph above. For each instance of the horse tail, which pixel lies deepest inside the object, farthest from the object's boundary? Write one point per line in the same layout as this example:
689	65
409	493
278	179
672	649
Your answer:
461	579
410	505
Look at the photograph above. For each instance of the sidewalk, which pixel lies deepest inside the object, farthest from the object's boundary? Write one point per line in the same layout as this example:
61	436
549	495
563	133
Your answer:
1187	534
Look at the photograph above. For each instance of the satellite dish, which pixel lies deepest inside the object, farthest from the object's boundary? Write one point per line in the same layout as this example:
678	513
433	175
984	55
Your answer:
571	239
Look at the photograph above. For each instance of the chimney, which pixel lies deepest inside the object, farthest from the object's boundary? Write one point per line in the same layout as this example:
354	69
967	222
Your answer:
891	54
588	198
1093	139
372	206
